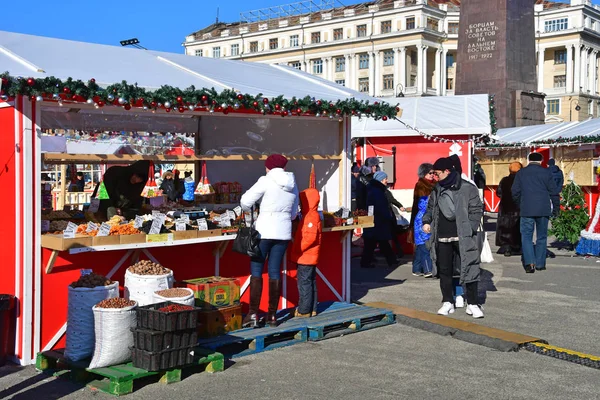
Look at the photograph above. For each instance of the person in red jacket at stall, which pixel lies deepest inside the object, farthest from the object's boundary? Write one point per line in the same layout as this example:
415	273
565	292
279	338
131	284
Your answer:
305	252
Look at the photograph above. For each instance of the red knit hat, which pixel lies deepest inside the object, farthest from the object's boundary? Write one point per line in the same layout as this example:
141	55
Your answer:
276	161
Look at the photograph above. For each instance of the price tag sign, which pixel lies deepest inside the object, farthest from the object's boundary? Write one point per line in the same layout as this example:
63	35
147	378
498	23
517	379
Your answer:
85	272
155	228
350	221
68	234
371	211
139	221
345	213
94	205
202	224
104	229
71	227
231	214
238	211
225	221
180	225
91	227
161	217
155	213
186	218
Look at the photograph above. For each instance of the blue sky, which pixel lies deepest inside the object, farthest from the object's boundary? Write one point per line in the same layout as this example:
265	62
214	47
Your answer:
159	25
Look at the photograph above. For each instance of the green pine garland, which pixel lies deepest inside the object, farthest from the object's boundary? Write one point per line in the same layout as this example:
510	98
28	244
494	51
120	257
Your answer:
192	99
573	216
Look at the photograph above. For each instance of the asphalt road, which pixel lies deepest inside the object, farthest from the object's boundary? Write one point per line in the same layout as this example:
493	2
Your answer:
561	305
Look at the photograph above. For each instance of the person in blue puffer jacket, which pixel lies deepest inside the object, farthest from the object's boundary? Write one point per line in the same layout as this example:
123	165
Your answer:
189	186
422	265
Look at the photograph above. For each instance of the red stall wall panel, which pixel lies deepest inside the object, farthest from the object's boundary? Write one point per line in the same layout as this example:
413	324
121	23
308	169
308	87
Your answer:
8	185
413	151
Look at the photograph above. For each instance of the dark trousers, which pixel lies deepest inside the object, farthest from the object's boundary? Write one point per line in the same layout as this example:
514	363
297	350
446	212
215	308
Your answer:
395	240
307	288
446	252
369	252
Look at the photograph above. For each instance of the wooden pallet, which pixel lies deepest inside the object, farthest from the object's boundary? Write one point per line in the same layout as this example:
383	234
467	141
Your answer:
337	319
250	341
118	379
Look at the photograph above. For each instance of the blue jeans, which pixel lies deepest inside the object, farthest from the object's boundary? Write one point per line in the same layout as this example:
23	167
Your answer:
274	251
422	260
458	289
534	254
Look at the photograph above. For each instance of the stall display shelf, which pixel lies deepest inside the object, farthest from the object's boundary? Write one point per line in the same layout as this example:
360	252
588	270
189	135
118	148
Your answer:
61	158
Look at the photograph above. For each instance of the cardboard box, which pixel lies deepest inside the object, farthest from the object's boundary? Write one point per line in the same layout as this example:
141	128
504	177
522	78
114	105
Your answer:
132	239
366	220
214	291
184	235
106	240
219	321
210	233
58	242
161	237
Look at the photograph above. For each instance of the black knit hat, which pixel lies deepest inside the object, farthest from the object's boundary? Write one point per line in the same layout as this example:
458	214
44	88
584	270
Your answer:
535	157
443	164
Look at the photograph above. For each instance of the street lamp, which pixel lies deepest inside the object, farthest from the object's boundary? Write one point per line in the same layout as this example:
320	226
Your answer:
399	93
132	42
577	108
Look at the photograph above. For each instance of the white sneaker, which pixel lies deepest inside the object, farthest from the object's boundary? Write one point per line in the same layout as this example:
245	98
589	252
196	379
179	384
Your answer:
474	311
459	302
447	308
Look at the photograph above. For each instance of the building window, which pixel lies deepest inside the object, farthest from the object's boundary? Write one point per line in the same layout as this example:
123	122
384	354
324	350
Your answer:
315	37
253	47
450	83
388	82
560	81
386	26
338	34
216	52
296	64
560	57
553	107
413	80
317	67
363	85
199	53
340	64
235	49
363	61
453	28
556	25
449	60
361	30
294	41
341	82
413	58
433	24
410	23
273	44
388	57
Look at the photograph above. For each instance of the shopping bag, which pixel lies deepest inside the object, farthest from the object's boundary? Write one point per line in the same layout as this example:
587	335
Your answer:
485	251
247	240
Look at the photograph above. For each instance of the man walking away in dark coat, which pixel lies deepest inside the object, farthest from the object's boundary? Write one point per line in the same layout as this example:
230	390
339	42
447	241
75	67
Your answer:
557	174
359	202
537	195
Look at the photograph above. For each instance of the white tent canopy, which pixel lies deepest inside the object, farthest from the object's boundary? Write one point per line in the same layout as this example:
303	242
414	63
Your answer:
450	115
36	56
549	132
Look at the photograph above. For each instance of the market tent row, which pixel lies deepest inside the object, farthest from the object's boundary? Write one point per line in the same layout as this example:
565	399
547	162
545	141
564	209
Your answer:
573	145
450	123
233	146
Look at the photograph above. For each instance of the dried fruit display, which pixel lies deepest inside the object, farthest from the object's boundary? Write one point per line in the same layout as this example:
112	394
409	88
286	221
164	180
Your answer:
116	302
147	267
58	225
176	307
91	280
175	292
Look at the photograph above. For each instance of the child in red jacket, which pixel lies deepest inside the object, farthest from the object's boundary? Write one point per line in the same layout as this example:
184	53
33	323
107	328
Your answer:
305	252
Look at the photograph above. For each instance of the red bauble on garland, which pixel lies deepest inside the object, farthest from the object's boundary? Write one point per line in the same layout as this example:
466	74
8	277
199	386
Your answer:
30	81
66	90
179	99
265	101
240	96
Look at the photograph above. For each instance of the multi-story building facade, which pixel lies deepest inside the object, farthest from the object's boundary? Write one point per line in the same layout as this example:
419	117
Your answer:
408	47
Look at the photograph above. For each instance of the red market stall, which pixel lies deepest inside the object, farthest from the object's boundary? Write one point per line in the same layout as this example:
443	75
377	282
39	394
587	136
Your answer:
234	129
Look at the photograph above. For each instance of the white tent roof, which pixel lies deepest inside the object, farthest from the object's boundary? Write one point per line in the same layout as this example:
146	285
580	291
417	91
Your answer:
36	56
528	134
449	115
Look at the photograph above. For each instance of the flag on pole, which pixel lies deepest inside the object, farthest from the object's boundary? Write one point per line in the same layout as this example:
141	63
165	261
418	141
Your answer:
312	182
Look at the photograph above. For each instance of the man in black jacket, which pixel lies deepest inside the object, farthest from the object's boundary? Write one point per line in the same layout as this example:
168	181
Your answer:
535	191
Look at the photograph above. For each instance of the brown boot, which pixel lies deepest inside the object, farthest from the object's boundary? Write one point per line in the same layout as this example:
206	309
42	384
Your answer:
297	314
274	293
251	319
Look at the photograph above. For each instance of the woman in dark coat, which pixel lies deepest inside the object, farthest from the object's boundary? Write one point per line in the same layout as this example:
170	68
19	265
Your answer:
381	233
168	186
508	232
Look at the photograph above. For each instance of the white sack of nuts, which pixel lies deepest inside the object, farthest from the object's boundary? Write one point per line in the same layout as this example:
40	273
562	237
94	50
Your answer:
114	319
183	296
144	278
80	319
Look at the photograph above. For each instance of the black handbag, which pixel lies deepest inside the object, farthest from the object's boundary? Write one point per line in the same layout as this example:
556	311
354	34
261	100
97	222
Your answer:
247	240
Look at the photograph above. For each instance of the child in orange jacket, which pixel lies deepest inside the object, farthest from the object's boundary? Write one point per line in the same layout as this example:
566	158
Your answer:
305	252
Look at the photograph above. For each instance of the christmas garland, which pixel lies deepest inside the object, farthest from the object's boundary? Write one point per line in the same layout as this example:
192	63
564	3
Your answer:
560	141
191	99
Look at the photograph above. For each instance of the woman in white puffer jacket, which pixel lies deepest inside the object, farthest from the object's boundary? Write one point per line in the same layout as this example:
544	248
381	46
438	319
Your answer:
277	195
